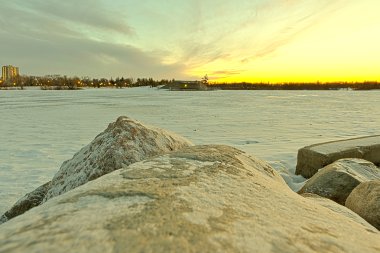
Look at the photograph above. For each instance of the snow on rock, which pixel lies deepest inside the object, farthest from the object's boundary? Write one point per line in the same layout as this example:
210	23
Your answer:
365	201
337	180
199	199
124	142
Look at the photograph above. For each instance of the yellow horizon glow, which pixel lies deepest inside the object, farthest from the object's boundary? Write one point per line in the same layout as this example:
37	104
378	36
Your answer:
341	48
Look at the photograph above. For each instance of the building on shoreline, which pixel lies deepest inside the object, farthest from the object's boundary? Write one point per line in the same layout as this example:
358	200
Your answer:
9	72
186	86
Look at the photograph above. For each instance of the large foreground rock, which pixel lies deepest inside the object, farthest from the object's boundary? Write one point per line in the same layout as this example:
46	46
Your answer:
199	199
337	180
365	201
311	158
124	142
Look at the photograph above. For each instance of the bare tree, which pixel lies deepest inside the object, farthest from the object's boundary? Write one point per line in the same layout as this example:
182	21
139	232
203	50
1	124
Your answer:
204	79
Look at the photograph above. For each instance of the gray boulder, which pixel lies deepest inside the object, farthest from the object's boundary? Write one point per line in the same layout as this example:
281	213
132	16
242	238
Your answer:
337	180
199	199
365	201
124	142
311	158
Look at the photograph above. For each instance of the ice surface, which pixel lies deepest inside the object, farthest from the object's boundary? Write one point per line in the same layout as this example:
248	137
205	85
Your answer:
41	129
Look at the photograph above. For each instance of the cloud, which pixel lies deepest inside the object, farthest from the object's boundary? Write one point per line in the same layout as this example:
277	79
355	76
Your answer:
65	37
220	74
69	14
75	56
249	30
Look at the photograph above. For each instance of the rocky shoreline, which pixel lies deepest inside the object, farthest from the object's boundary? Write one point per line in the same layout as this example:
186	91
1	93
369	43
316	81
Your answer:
137	188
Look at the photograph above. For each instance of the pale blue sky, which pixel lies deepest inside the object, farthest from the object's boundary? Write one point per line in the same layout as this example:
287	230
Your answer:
178	39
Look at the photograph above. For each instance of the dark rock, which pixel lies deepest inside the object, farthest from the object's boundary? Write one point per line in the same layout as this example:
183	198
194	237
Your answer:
27	202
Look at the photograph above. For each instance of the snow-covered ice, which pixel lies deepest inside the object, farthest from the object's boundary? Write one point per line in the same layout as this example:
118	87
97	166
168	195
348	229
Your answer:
39	130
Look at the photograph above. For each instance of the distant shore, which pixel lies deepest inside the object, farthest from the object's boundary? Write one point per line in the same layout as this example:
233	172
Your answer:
77	84
237	86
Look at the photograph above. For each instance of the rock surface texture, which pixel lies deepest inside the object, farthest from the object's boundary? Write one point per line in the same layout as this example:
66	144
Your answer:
365	201
27	202
199	199
342	210
337	180
124	142
311	158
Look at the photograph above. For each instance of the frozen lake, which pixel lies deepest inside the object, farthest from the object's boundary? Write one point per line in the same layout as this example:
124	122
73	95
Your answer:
41	129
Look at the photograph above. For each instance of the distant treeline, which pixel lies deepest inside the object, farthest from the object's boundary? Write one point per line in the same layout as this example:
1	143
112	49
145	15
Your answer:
367	85
63	82
73	83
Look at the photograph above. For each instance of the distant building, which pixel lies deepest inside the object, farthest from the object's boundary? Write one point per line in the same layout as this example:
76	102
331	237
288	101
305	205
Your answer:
186	86
9	72
55	76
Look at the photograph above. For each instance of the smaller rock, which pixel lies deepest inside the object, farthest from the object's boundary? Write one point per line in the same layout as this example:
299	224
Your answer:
337	180
30	200
365	201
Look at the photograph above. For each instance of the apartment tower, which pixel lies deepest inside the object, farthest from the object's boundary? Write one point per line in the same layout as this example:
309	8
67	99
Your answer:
9	72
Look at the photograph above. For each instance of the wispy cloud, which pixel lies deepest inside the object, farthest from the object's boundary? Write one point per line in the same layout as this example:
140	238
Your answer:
75	56
39	14
258	30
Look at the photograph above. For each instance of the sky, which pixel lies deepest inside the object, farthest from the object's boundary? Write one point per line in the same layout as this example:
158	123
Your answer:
240	40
